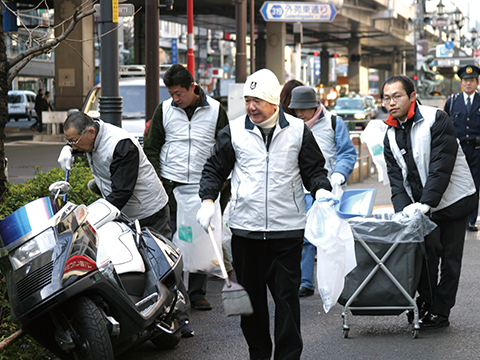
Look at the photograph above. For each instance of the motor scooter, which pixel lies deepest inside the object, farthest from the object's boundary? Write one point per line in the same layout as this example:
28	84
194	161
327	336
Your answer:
87	282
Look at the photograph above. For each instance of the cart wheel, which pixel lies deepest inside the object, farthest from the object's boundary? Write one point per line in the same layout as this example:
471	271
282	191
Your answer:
414	334
345	333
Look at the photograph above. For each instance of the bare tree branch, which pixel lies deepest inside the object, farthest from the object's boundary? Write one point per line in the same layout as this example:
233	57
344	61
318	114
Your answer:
46	47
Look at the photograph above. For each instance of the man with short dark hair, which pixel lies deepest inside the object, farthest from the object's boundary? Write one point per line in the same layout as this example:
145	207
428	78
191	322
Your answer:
464	110
428	172
178	141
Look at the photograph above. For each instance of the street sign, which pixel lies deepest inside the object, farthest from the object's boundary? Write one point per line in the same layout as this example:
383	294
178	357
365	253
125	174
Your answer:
443	52
297	11
123	9
174	51
449	45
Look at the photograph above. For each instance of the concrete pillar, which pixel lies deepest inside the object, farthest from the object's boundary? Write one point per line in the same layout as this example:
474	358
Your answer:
396	62
354	58
324	66
276	49
74	60
260	50
382	76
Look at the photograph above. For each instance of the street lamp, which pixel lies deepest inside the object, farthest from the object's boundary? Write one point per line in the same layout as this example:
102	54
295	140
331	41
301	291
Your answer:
440	8
474	34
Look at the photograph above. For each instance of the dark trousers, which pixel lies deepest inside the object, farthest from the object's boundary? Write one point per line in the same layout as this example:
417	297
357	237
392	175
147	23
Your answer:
444	247
275	264
159	222
38	122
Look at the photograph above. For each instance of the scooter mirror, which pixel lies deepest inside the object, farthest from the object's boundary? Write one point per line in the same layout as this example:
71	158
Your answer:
59	188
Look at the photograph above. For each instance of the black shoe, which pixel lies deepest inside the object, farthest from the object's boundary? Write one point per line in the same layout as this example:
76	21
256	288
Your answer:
422	310
304	292
201	304
433	321
187	329
472	227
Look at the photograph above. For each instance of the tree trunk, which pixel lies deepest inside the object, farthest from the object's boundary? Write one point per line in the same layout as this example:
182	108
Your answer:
3	109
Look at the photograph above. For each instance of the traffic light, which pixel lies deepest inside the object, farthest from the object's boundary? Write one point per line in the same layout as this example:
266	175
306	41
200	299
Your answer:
316	53
335	56
415	78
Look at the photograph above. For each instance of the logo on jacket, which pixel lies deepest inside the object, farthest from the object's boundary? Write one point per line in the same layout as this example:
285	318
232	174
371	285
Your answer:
253	85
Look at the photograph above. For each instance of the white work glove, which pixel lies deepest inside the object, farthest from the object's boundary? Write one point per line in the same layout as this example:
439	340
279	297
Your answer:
323	194
337	178
65	159
409	210
205	215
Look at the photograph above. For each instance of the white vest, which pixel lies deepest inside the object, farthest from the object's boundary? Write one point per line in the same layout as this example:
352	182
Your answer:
325	136
267	189
188	143
461	183
149	196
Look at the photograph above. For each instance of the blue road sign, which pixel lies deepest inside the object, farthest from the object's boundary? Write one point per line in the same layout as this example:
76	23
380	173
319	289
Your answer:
316	67
297	11
449	45
174	51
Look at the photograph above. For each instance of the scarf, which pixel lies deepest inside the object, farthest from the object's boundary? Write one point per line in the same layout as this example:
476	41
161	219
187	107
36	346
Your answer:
315	117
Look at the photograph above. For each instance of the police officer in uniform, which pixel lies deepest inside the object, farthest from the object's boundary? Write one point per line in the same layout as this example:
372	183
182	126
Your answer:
464	109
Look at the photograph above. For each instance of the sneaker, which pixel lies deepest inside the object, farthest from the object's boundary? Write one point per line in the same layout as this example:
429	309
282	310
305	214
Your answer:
304	292
201	304
187	329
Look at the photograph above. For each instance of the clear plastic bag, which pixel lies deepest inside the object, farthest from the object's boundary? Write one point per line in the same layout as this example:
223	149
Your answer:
190	237
333	239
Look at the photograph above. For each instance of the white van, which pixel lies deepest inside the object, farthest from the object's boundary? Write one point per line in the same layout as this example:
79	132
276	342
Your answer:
21	104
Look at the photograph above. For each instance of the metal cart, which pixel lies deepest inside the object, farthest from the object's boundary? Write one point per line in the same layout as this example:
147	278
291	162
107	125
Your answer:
388	249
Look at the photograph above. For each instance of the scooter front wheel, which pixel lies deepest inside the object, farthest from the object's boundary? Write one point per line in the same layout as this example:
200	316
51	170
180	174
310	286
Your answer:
91	338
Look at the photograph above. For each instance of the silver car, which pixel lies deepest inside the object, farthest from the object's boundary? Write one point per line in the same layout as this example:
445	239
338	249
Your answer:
132	90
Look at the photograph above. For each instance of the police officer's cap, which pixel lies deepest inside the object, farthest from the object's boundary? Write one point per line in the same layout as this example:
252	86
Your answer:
469	71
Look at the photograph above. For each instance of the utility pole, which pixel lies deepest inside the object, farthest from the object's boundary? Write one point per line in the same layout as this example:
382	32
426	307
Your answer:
110	102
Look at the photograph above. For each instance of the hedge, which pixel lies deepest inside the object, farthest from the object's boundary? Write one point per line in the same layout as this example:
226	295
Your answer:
18	195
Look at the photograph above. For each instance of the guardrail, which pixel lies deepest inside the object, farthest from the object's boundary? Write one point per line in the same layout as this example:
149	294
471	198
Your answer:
364	163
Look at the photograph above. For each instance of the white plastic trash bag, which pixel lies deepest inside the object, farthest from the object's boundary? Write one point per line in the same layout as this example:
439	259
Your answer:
373	136
190	238
333	239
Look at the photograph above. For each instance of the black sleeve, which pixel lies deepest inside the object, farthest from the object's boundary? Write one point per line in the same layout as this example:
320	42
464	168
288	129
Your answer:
312	162
222	120
154	139
443	155
123	172
218	166
399	196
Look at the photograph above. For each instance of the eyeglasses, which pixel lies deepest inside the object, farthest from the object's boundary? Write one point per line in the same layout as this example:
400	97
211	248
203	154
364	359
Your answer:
71	143
395	98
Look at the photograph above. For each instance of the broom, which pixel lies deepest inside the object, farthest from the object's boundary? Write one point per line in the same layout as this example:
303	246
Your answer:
235	298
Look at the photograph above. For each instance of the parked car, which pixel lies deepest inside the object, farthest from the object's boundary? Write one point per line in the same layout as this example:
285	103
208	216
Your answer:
21	104
132	90
353	110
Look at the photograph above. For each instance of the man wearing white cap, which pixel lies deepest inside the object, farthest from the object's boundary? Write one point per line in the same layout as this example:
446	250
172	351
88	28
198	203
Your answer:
270	155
